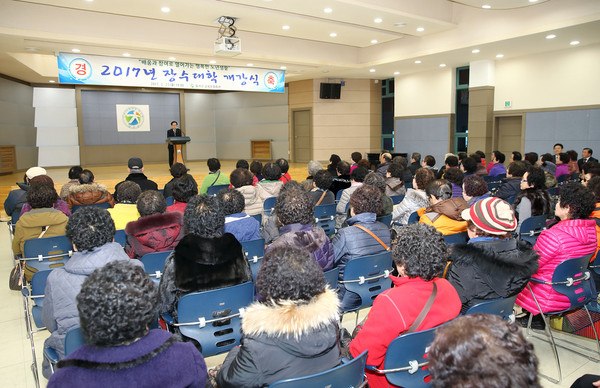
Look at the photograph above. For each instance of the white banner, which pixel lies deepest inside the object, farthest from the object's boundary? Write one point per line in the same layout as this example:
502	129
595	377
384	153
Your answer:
133	118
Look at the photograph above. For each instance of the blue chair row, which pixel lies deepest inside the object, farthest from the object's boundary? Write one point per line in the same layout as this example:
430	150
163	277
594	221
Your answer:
73	340
154	263
213	190
268	205
325	218
531	228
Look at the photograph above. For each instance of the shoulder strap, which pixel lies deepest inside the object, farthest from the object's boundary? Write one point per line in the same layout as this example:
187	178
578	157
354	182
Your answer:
216	179
44	230
321	199
373	235
395	187
415	325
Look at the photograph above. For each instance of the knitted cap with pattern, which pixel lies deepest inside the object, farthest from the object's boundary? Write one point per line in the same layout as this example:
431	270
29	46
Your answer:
492	215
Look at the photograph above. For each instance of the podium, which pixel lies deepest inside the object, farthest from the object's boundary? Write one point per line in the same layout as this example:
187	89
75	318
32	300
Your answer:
177	142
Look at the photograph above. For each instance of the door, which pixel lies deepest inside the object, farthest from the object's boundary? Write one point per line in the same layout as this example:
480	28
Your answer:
508	135
302	135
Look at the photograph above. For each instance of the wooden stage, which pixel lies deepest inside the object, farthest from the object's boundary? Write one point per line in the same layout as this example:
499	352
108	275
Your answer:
111	175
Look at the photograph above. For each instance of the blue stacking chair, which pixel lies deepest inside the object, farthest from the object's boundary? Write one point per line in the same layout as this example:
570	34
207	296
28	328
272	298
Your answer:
456	238
103	205
254	251
413	218
386	220
170	200
268	205
14	218
408	185
73	340
121	237
531	228
349	374
47	253
572	279
213	190
325	218
405	363
396	199
258	218
338	196
563	179
493	186
154	263
213	318
331	277
501	307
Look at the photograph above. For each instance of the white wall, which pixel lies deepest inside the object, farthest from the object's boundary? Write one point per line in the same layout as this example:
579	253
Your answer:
425	94
200	126
565	78
56	122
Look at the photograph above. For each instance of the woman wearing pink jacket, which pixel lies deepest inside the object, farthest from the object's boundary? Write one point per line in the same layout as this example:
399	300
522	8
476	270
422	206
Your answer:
574	236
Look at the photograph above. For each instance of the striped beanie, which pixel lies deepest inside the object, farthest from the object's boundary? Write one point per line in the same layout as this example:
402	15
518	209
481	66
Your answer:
492	215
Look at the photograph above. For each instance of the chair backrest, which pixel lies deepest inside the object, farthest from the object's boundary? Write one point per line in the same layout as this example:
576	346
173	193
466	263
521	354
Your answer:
396	199
325	218
213	317
338	195
553	191
47	253
413	218
268	205
456	238
563	178
368	276
121	237
258	218
331	277
386	220
502	307
38	286
103	205
154	263
213	190
409	351
531	227
573	279
347	375
408	185
254	251
170	200
493	186
73	340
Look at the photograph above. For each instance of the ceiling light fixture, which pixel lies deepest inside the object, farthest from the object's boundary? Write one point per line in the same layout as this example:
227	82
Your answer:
533	1
250	64
126	54
417	62
574	43
372	70
442	65
172	58
420	29
475	51
285	27
212	62
374	41
500	56
53	81
551	36
333	34
76	50
377	20
396	72
165	9
486	6
283	67
328	10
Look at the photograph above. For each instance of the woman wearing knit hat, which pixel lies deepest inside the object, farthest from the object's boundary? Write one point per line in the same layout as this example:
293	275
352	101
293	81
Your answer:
492	265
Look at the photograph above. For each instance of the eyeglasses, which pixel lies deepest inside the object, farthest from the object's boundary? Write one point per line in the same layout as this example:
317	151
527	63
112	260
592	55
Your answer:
524	181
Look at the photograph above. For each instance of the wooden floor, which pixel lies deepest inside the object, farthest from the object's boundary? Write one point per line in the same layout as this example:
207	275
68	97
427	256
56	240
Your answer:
111	175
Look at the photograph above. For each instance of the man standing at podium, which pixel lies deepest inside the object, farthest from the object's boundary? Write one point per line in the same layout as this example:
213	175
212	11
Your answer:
174	131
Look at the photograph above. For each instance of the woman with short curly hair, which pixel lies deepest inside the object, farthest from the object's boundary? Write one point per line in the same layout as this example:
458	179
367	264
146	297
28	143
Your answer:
419	256
293	332
116	305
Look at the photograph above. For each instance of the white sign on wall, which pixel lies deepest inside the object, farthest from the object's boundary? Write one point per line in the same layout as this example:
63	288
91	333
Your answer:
133	118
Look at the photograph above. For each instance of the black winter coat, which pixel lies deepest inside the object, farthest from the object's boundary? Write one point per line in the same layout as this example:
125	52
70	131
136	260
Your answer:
488	270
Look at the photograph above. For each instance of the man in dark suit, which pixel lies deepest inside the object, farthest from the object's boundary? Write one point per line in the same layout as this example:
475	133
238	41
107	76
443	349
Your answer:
586	156
174	131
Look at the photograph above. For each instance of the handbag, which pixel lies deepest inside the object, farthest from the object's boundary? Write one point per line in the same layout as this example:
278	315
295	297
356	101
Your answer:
15	279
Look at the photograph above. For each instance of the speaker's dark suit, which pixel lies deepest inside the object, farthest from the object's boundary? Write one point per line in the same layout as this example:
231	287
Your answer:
170	133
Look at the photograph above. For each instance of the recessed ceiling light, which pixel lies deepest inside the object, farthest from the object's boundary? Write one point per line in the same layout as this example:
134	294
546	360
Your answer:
378	20
283	67
486	6
89	1
53	81
76	50
574	43
285	27
400	24
533	1
476	51
126	54
442	65
172	58
333	34
500	56
551	36
372	70
165	9
396	72
328	10
212	62
250	64
420	29
417	62
374	41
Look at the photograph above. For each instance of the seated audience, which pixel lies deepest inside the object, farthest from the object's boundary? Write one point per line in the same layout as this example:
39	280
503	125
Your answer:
516	156
481	155
482	350
356	177
285	167
313	168
376	180
589	170
455	177
184	189
474	189
238	223
429	162
498	168
41	221
469	166
17	198
444	213
492	265
295	211
547	163
364	163
241	180
135	167
256	170
572	165
533	199
271	184
91	230
156	230
293	332
116	305
354	241
415	162
242	163
125	209
332	166
420	257
271	223
407	175
58	205
511	185
415	198
177	171
385	159
320	193
205	258
214	177
573	236
356	157
586	156
562	165
394	182
88	192
342	180
532	158
73	180
450	161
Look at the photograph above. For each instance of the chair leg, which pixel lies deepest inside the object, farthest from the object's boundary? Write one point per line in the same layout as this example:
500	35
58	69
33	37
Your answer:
595	332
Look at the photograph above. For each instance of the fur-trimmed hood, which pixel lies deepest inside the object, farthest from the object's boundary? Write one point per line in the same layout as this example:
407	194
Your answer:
289	318
87	187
